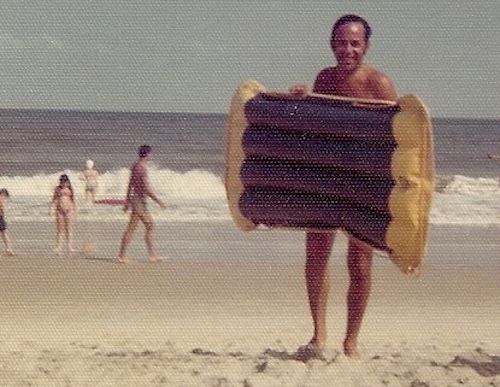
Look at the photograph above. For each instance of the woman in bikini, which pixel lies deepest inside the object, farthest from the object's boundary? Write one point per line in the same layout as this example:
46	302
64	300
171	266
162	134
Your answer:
64	207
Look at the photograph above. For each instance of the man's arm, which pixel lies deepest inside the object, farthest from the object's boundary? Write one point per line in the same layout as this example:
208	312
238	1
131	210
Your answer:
383	87
149	191
129	188
323	82
129	191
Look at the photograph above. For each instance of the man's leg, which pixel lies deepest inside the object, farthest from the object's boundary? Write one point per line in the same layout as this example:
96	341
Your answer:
127	236
147	219
318	248
359	262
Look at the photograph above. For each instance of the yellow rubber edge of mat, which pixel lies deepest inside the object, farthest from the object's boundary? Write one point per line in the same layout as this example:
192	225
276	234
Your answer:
235	127
412	169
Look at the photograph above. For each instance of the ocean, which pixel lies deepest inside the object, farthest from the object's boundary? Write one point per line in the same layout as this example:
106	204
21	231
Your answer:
187	168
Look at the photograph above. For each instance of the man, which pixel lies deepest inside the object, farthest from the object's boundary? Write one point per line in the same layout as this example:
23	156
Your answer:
138	191
351	78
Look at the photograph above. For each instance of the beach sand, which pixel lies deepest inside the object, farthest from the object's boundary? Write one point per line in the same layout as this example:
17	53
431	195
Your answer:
229	308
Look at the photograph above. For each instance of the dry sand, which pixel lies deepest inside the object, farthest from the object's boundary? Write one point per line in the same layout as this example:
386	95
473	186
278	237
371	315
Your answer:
224	310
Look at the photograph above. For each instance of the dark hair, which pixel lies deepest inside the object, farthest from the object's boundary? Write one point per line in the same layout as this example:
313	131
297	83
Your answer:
64	178
352	19
4	191
144	150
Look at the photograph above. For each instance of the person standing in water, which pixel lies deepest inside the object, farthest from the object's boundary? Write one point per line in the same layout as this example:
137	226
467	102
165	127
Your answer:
63	206
139	189
90	176
4	196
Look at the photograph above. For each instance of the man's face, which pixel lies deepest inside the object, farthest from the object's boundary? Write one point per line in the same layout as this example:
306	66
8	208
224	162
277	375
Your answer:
349	45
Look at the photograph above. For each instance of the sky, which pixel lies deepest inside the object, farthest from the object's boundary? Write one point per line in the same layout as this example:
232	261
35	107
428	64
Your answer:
190	56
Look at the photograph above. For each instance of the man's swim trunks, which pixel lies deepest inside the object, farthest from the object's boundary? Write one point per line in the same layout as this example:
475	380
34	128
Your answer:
3	225
138	205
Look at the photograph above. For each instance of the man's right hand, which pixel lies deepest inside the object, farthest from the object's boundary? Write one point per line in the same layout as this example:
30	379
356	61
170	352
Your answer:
299	90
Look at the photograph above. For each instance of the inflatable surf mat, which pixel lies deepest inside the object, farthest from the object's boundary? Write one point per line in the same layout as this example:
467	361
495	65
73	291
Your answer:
322	163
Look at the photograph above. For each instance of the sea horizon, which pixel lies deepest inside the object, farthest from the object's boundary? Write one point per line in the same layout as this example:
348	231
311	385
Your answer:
216	113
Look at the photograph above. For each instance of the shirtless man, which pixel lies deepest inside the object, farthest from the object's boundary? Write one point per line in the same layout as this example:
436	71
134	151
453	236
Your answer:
351	78
138	191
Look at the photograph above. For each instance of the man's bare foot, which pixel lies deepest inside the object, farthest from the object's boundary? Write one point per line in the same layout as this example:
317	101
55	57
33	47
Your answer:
351	350
155	258
311	351
10	253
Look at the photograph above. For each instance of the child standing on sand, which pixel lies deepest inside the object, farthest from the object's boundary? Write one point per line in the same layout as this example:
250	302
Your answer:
4	196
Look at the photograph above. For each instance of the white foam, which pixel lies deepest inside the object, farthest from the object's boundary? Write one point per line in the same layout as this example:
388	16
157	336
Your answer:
199	195
195	195
469	201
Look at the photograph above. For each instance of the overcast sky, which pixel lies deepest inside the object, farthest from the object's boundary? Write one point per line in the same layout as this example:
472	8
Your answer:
189	56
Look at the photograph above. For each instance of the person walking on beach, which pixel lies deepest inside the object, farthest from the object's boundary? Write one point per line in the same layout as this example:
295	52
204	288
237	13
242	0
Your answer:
4	196
90	176
139	189
351	77
63	205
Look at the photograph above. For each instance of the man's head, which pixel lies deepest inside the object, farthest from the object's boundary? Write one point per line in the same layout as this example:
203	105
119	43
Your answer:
350	40
144	151
4	192
352	19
